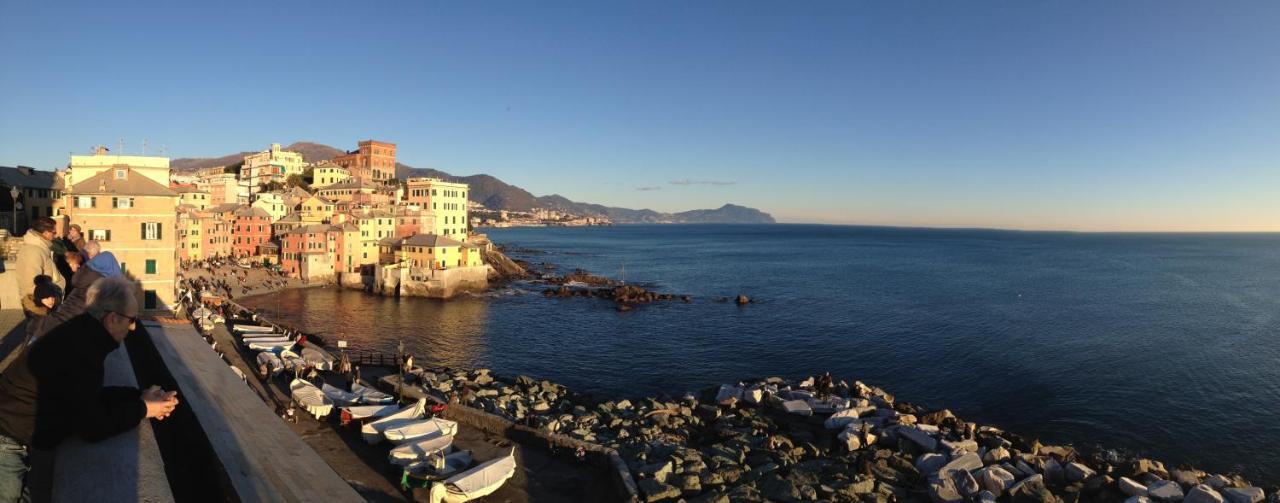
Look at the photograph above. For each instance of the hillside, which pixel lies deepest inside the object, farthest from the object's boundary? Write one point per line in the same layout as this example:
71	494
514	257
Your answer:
498	195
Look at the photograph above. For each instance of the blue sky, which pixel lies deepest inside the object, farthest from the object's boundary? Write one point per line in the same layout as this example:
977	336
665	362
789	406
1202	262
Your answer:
1136	115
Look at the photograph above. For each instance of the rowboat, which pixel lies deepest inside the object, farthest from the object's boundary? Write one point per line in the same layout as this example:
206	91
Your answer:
339	396
317	358
274	365
361	412
370	395
420	429
311	398
252	328
420	450
372	432
475	483
272	347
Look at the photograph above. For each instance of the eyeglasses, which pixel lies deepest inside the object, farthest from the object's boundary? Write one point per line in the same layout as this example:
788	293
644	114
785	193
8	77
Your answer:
132	319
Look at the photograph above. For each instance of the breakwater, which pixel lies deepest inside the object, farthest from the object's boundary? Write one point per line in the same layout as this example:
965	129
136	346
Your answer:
781	440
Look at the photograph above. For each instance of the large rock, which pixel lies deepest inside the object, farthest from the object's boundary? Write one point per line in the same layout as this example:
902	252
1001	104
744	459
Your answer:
995	479
780	489
1131	487
1165	490
967	462
944	490
652	491
1076	472
929	463
1243	494
1202	494
920	438
1031	490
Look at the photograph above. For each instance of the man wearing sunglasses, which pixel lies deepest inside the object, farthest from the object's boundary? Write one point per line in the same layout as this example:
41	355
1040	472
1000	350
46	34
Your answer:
54	389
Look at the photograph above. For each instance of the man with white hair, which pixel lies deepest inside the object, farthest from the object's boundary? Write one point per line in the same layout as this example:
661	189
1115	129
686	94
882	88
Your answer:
54	389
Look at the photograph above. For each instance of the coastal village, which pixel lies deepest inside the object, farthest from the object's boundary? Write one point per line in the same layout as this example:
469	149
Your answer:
346	220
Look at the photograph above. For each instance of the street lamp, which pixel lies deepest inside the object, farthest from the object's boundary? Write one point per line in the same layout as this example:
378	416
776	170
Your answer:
13	192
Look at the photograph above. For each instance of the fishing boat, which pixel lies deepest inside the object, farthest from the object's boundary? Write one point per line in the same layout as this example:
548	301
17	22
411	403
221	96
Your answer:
339	396
365	412
371	396
421	450
271	347
420	429
266	338
252	328
475	483
311	398
372	432
318	358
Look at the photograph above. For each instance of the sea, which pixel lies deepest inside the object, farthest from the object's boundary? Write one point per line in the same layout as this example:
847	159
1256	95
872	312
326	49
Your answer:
1159	345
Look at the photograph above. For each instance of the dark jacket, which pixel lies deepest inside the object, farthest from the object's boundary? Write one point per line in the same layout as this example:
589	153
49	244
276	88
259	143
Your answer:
54	389
72	306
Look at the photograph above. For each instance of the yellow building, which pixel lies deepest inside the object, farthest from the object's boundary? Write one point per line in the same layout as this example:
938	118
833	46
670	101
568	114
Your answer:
272	203
432	251
374	226
190	241
222	187
446	202
83	167
316	210
327	174
134	217
193	197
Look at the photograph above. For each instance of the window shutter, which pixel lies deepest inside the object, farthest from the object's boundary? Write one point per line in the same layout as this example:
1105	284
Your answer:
144	230
93	202
108	234
159	230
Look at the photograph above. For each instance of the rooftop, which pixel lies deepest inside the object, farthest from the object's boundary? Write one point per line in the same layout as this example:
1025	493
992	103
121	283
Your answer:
109	182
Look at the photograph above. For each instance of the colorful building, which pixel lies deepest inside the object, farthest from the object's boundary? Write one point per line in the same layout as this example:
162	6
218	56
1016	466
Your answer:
308	251
372	160
328	173
251	228
446	202
37	193
193	197
272	203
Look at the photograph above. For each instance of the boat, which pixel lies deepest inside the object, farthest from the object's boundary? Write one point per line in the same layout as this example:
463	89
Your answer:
475	483
371	396
362	412
291	360
253	328
318	358
420	429
311	398
372	432
271	347
274	365
339	396
421	450
263	339
437	467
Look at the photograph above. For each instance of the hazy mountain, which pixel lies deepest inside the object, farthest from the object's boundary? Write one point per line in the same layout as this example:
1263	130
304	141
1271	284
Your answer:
498	195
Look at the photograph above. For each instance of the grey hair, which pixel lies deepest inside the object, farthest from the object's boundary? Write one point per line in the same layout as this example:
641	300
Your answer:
116	294
92	248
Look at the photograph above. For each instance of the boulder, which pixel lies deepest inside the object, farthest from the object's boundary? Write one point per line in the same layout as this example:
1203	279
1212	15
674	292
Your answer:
1053	471
1165	490
1031	490
967	462
965	483
780	489
690	484
1243	494
652	490
1186	478
929	463
995	479
1131	487
1202	494
996	455
1138	499
920	438
944	490
1076	472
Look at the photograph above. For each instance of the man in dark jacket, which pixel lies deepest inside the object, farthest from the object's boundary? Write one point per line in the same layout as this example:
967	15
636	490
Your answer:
54	389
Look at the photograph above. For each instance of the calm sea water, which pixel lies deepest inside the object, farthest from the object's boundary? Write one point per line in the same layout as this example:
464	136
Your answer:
1165	345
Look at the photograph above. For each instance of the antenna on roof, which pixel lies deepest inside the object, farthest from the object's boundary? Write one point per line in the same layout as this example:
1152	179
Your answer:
120	146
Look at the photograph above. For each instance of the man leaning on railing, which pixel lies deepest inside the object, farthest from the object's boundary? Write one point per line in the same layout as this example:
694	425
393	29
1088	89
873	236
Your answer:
54	389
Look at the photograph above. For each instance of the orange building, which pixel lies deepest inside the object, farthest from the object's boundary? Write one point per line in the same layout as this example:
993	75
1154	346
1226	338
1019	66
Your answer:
373	160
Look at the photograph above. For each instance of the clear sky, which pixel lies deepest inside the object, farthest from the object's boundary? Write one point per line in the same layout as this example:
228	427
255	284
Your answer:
1131	115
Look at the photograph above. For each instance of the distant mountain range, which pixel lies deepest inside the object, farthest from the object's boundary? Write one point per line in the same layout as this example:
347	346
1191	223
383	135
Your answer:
498	195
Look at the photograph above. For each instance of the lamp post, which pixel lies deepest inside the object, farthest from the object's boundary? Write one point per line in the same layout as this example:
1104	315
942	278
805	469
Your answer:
13	192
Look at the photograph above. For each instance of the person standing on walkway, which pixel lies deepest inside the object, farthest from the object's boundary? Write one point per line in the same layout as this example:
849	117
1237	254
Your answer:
54	389
102	265
35	257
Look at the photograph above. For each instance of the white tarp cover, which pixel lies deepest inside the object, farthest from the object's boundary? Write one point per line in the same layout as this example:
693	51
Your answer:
339	396
372	432
370	395
416	430
368	411
311	398
269	346
319	359
252	328
273	362
484	478
420	449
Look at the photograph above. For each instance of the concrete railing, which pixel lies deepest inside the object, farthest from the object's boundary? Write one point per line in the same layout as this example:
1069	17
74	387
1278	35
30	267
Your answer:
126	467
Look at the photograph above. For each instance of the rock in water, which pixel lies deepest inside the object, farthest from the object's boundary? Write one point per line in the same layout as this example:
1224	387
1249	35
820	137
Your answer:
1165	490
653	490
1243	494
1031	490
1131	487
743	300
1202	494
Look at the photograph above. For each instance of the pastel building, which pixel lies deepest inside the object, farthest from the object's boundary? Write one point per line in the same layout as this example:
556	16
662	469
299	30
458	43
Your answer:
251	228
372	160
445	201
328	173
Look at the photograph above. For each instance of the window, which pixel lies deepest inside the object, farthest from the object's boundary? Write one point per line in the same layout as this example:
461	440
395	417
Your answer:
100	235
122	202
151	266
149	300
151	230
86	201
120	174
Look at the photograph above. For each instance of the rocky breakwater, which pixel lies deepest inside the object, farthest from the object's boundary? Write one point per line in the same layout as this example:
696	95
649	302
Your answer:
776	440
583	284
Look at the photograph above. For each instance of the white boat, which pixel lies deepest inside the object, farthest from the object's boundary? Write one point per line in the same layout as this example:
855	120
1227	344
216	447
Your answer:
311	398
271	347
318	358
265	339
339	396
420	429
362	412
420	450
371	396
253	328
372	432
475	483
291	360
274	365
441	465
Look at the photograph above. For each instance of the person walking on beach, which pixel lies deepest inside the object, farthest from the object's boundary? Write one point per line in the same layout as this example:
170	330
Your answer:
54	389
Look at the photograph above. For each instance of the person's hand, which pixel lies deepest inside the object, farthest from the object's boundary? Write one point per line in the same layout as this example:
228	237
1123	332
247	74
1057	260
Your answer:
160	403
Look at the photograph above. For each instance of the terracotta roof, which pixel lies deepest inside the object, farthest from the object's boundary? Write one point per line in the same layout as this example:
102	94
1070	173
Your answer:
252	211
133	184
224	207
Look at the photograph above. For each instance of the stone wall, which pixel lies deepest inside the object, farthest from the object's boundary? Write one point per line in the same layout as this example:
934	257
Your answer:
429	283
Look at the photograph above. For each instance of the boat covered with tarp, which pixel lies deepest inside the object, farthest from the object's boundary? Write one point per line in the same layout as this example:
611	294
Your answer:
311	398
372	432
476	482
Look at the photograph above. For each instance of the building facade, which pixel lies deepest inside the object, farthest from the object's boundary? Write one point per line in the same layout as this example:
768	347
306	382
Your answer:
37	191
372	160
327	174
445	201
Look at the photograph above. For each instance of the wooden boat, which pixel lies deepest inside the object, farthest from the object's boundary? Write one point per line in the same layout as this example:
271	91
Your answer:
318	358
475	483
421	450
271	347
372	432
266	338
340	396
252	328
371	396
420	429
311	398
